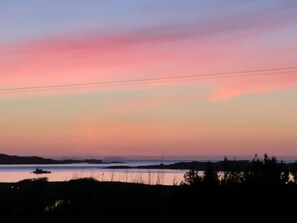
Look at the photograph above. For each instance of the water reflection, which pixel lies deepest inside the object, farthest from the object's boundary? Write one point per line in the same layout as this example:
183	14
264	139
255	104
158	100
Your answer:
146	176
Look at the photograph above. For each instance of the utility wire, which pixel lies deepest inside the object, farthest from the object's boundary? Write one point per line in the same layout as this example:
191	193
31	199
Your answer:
234	74
143	83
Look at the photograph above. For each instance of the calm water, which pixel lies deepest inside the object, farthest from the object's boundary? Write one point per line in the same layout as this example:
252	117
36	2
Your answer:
15	173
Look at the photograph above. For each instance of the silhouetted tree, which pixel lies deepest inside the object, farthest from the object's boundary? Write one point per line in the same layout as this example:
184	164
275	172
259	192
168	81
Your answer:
232	173
210	176
192	177
266	171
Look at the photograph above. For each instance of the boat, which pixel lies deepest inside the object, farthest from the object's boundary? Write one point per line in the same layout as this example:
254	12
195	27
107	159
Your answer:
40	171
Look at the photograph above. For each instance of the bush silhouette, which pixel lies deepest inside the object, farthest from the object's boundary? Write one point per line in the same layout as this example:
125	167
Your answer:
232	173
192	177
266	171
210	176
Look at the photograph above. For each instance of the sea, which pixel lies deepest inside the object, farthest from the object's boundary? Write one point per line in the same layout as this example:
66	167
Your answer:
100	172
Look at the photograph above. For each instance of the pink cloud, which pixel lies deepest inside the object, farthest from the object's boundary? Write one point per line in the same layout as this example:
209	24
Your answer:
62	61
237	87
168	50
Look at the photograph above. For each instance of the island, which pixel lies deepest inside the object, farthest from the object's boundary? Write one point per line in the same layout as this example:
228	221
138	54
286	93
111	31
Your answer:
19	160
196	165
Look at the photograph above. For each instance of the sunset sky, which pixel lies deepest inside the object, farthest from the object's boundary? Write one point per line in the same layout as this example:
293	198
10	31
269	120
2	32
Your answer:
69	42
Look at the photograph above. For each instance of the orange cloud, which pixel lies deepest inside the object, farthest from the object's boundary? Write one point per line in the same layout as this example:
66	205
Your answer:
234	88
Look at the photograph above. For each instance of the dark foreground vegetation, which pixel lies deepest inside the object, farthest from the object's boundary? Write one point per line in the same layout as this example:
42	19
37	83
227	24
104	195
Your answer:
262	190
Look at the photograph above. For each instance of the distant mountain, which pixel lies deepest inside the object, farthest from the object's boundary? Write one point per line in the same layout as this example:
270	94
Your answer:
9	160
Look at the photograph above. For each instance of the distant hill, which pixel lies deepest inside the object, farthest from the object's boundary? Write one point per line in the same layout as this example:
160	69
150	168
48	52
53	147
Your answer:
10	160
197	165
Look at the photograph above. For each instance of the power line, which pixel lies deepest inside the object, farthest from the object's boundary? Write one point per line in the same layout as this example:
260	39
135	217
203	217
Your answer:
144	83
245	73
